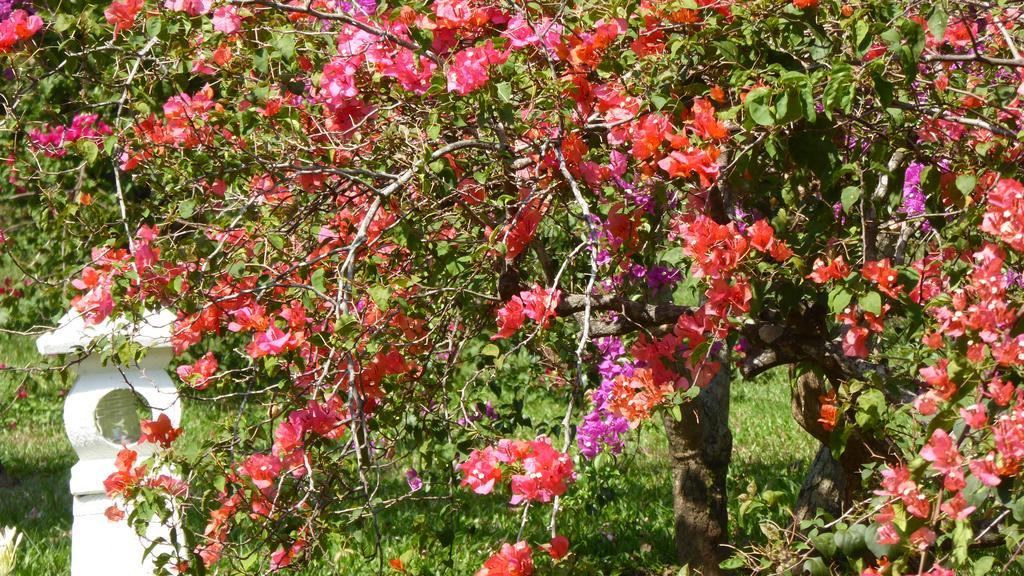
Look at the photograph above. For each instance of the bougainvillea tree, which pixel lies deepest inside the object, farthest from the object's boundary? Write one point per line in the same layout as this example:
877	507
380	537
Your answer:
371	216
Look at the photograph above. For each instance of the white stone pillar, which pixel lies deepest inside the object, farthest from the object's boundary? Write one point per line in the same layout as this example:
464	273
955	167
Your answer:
100	418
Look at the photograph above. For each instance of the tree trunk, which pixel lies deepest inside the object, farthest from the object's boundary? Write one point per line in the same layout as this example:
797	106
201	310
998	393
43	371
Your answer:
824	488
701	447
829	485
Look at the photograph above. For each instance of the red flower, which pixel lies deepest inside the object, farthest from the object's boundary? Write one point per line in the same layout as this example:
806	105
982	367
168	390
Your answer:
855	342
884	275
828	412
692	161
284	555
114	514
634	397
835	269
159	431
198	374
520	232
704	122
805	3
122	14
512	560
481	471
470	69
762	237
539	304
125	477
510	318
262	469
558	548
546	473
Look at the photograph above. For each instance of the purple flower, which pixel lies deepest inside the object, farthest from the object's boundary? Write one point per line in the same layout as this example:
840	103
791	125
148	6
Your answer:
660	276
360	6
413	479
913	195
598	432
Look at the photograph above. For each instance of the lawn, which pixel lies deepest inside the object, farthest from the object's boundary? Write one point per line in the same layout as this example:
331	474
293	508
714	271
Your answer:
620	520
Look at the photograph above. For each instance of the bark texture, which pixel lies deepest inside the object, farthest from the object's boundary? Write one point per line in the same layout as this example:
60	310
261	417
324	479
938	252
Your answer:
830	484
701	447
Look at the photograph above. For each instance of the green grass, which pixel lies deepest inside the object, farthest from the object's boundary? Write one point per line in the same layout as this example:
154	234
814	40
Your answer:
618	515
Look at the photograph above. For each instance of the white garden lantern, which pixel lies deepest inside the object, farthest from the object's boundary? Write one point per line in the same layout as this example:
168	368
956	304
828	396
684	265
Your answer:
101	415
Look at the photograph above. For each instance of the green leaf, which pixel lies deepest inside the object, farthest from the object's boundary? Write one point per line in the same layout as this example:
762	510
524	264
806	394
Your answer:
186	208
850	196
962	536
825	544
815	567
839	299
316	280
276	241
861	38
380	295
937	22
491	350
870	408
983	565
504	91
732	563
840	90
966	183
789	108
63	22
758	105
871	302
285	44
88	149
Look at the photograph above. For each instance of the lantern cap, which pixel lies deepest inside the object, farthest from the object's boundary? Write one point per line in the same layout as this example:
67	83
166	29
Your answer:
74	333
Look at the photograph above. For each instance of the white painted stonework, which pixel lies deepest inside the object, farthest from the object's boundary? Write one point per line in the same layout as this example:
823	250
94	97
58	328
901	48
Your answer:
99	546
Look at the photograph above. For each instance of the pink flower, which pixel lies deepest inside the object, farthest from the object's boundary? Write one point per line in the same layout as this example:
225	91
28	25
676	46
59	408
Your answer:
262	469
546	473
122	14
269	343
192	7
512	560
855	342
198	374
956	507
470	69
412	73
941	452
985	470
510	318
287	438
338	83
227	20
481	471
539	304
522	33
975	415
19	25
922	538
887	534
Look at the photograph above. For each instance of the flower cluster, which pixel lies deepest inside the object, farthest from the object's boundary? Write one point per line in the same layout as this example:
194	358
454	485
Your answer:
600	428
538	304
17	25
54	141
517	559
539	472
